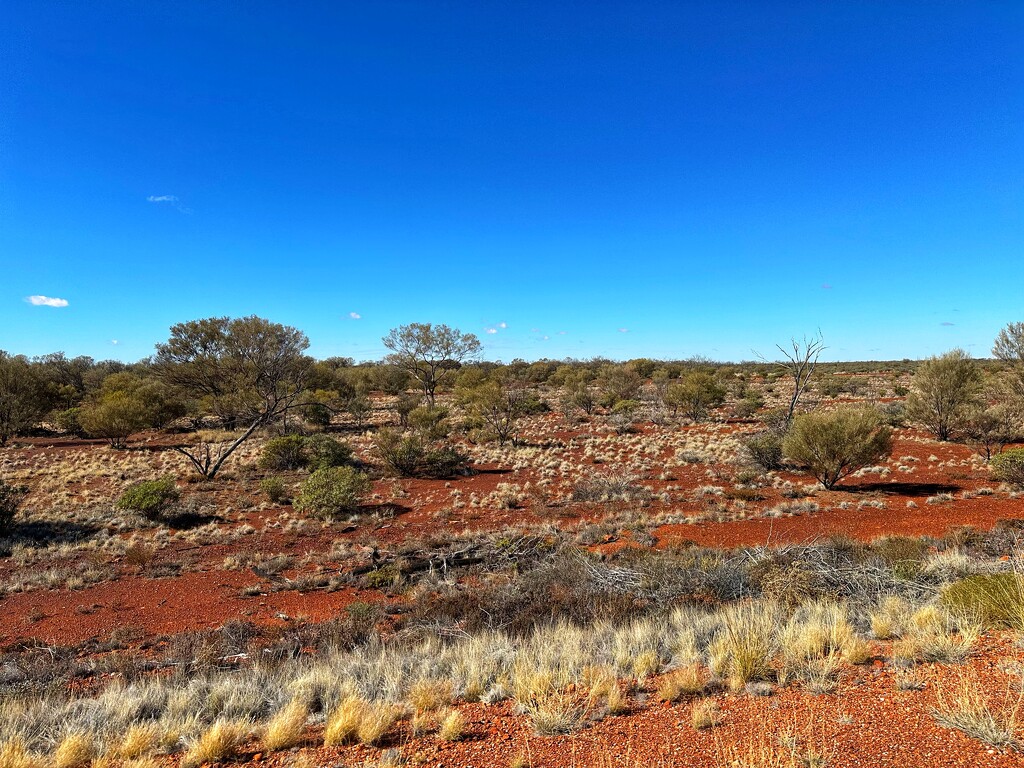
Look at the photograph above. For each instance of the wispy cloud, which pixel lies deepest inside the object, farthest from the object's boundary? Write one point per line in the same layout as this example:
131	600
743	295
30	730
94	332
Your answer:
623	330
355	316
826	286
491	330
171	200
46	301
947	323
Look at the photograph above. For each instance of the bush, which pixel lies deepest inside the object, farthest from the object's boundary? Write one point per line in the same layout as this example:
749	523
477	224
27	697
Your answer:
833	444
331	492
68	423
284	453
1008	467
997	599
275	489
409	455
324	451
11	497
765	449
149	497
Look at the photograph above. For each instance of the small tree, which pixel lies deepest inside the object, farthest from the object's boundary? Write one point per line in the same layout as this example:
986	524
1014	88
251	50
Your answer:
1009	347
114	417
500	404
429	353
695	395
946	390
798	364
22	400
247	369
11	497
618	382
833	444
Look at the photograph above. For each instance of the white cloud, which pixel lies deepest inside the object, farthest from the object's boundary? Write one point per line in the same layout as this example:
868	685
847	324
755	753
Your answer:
114	342
503	324
492	330
623	330
46	301
561	333
545	337
171	200
355	316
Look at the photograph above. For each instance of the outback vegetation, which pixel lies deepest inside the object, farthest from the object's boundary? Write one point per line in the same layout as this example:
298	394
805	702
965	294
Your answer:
232	552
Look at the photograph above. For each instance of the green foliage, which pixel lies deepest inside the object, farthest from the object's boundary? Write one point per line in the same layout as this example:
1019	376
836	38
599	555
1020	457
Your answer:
946	390
22	396
833	444
324	451
618	382
695	395
1008	467
127	403
275	489
765	449
430	422
284	453
430	353
995	598
409	455
11	497
332	492
67	421
150	498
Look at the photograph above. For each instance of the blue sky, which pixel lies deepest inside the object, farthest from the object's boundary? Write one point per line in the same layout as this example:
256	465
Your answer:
564	179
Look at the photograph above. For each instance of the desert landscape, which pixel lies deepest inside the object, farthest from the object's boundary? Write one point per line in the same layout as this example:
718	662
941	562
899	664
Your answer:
432	560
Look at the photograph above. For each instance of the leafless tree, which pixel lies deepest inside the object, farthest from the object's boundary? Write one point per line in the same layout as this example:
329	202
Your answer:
799	361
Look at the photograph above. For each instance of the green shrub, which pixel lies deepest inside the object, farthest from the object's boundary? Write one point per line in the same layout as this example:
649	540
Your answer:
765	449
834	444
11	497
150	497
430	422
68	423
324	451
317	414
284	453
275	489
409	455
996	599
332	492
1008	467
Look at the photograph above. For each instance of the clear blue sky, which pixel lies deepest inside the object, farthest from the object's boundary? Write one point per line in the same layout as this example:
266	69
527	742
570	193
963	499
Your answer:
590	178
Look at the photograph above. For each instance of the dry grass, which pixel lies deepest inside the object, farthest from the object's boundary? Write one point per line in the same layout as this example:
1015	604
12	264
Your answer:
76	749
706	714
453	724
218	742
356	719
691	680
287	727
14	754
744	648
967	709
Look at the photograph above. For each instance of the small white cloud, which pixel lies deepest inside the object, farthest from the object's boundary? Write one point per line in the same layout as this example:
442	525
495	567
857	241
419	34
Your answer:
492	330
355	315
46	301
623	330
561	333
171	200
503	324
114	342
545	337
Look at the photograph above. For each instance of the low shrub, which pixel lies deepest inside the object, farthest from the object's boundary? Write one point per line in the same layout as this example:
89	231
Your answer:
275	489
997	599
324	451
11	497
331	492
409	455
1008	467
765	450
834	444
150	498
284	453
68	423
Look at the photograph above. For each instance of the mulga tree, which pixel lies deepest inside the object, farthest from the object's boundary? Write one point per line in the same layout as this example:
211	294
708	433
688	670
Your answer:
946	389
834	444
429	353
250	368
23	401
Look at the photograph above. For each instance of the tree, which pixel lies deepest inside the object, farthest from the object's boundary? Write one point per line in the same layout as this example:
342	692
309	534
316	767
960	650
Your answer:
127	403
499	403
833	444
946	389
22	398
798	364
1009	347
430	352
618	382
246	369
695	394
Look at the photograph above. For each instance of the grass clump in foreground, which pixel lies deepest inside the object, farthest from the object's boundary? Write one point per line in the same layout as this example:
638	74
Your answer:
967	709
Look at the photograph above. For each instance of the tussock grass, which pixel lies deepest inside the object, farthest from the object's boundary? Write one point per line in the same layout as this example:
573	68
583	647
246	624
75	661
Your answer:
75	750
218	742
286	728
453	724
691	680
967	709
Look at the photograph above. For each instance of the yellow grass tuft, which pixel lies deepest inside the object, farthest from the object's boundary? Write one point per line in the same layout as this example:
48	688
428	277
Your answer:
690	680
221	740
14	754
285	729
452	726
